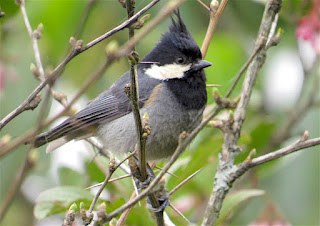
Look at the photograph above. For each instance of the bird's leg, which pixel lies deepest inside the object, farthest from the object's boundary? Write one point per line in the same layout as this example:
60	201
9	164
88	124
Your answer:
163	199
139	182
144	184
161	194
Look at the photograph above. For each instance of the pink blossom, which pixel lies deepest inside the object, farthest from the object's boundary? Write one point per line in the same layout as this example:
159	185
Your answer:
308	27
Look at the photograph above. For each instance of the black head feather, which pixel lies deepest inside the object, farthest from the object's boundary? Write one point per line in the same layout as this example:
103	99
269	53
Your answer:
175	43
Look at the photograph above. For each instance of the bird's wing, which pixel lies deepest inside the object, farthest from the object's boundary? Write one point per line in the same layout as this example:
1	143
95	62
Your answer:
104	108
108	106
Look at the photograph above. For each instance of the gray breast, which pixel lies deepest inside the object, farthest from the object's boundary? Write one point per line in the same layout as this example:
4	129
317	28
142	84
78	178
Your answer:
167	120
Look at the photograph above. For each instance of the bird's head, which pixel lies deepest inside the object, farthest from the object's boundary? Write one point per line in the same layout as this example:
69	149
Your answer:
176	55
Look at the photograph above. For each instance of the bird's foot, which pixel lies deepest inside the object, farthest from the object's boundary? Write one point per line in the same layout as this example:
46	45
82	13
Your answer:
163	200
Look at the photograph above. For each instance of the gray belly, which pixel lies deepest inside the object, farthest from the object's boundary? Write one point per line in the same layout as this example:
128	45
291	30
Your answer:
167	121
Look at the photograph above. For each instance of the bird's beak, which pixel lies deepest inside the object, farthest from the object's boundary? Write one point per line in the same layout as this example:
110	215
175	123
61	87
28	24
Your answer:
200	65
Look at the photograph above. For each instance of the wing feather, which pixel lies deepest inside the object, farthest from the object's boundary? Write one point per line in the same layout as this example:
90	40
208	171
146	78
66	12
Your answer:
108	106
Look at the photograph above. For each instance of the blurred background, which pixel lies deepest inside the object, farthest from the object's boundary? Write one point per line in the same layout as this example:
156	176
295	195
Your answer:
288	80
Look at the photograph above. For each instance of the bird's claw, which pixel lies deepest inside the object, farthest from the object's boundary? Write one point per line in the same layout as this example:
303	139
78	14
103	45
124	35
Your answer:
163	201
143	184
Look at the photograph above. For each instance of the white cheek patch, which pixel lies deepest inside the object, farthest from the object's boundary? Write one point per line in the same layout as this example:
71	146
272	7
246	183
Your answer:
168	71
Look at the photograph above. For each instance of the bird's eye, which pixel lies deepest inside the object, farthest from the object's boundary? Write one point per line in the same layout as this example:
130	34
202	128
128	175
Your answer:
180	60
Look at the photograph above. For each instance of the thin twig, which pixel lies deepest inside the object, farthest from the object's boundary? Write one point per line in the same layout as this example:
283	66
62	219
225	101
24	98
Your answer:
215	14
301	144
111	180
121	27
33	39
204	5
110	172
185	181
134	98
157	167
34	36
104	170
33	132
244	67
181	214
284	151
241	168
145	192
28	163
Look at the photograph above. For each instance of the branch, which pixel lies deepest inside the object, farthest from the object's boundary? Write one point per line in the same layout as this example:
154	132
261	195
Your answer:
33	132
240	169
301	144
283	151
215	14
121	27
30	104
76	50
33	36
140	130
112	167
231	136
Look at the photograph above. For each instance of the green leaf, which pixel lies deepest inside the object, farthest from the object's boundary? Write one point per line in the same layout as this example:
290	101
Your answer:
234	200
59	199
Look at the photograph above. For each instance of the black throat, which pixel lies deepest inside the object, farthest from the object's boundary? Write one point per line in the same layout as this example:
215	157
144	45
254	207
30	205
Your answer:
190	91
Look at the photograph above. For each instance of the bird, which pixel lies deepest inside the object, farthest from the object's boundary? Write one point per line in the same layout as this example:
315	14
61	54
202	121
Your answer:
172	91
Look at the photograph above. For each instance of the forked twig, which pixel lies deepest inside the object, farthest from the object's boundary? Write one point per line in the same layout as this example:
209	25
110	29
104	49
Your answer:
111	170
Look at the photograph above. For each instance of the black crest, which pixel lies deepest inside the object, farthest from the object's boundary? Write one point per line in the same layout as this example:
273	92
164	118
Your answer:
178	24
177	42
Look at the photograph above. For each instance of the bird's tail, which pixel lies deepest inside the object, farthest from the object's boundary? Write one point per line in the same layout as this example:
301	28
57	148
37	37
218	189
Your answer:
54	141
40	140
61	134
57	133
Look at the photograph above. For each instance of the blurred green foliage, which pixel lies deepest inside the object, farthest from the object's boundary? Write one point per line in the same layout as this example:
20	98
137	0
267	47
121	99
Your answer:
59	199
294	177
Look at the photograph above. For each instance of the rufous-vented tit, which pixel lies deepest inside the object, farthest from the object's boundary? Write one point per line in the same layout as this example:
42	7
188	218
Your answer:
172	90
